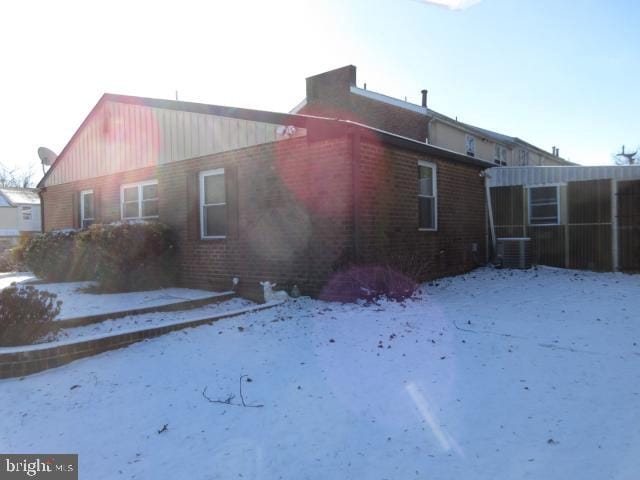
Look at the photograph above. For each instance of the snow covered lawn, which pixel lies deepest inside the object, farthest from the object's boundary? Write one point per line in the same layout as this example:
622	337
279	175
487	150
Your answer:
155	319
8	278
491	375
76	303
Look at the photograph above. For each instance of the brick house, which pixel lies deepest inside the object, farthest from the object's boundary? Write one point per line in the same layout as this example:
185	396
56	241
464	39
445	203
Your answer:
335	94
268	196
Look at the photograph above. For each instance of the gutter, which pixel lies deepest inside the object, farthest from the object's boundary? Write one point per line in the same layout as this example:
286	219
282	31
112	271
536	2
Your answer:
41	210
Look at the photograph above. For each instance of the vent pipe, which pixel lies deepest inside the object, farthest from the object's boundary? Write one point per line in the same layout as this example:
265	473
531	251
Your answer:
424	98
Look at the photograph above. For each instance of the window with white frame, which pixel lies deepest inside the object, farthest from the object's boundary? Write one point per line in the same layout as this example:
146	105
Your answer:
427	196
500	155
470	143
524	157
139	200
87	208
544	205
26	213
213	204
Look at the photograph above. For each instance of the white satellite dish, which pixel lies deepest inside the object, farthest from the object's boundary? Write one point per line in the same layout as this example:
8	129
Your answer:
46	156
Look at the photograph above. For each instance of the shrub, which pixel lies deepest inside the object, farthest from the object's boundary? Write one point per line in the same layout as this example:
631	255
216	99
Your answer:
120	256
6	262
53	256
17	252
26	314
394	276
130	256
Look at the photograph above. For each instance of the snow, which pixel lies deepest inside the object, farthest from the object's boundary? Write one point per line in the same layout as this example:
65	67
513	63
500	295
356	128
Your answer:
6	279
21	196
137	322
76	303
491	375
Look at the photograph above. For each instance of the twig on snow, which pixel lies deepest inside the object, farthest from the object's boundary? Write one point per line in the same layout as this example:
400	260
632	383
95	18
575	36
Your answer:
228	400
487	332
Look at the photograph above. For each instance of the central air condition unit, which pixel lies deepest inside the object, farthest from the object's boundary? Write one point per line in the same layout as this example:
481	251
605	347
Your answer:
514	252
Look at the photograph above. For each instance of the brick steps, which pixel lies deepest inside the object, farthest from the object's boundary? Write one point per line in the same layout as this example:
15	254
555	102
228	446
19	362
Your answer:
20	361
171	307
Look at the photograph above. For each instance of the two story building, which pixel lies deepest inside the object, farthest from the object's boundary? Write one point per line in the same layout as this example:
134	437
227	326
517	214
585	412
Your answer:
335	94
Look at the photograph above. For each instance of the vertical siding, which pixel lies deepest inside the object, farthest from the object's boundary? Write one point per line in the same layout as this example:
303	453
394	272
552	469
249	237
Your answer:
628	198
584	238
123	137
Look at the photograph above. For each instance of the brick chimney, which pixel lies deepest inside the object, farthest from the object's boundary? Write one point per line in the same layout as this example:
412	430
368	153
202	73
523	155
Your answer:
331	87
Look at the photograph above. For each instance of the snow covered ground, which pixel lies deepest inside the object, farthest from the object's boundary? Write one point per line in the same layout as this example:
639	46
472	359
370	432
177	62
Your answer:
156	319
8	278
76	303
491	375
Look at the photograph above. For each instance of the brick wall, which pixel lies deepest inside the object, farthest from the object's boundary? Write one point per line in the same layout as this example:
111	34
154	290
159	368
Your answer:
294	210
59	208
328	95
293	207
389	211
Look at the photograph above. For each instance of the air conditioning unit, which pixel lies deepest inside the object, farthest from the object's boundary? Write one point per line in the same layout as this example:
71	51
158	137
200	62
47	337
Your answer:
514	252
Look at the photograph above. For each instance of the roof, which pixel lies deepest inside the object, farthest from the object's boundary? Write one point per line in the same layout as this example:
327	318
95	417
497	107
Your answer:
499	137
536	176
21	196
323	125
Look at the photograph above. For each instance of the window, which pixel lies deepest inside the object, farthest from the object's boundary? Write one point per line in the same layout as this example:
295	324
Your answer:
427	196
543	206
500	155
524	157
87	208
213	204
470	143
26	213
139	200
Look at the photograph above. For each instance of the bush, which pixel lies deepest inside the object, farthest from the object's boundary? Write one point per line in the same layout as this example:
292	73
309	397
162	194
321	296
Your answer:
129	256
53	256
26	314
6	262
17	252
120	256
394	276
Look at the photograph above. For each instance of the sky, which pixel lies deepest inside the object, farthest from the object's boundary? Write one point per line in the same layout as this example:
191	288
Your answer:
554	73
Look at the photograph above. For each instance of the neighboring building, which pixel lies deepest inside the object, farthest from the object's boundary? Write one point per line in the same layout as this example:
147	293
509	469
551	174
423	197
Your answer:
335	94
269	196
577	217
19	214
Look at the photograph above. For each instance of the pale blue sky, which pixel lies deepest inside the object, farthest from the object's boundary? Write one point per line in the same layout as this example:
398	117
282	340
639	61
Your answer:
559	73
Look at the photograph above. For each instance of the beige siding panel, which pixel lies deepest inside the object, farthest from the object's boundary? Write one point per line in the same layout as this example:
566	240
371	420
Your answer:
123	137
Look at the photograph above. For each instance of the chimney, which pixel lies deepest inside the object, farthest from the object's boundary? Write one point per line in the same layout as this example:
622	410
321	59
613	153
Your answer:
424	98
331	87
557	152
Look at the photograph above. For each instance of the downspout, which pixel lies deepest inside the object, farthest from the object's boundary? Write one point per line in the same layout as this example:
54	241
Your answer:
492	228
41	210
355	186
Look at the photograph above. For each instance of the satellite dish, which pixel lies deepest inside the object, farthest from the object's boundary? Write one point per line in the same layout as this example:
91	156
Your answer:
47	156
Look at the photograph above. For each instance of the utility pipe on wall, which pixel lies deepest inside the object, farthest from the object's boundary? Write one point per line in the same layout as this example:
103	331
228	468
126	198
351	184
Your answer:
492	229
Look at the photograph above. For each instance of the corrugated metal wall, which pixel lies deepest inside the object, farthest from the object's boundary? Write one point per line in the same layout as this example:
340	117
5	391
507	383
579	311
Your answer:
590	225
584	237
124	136
509	176
628	198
